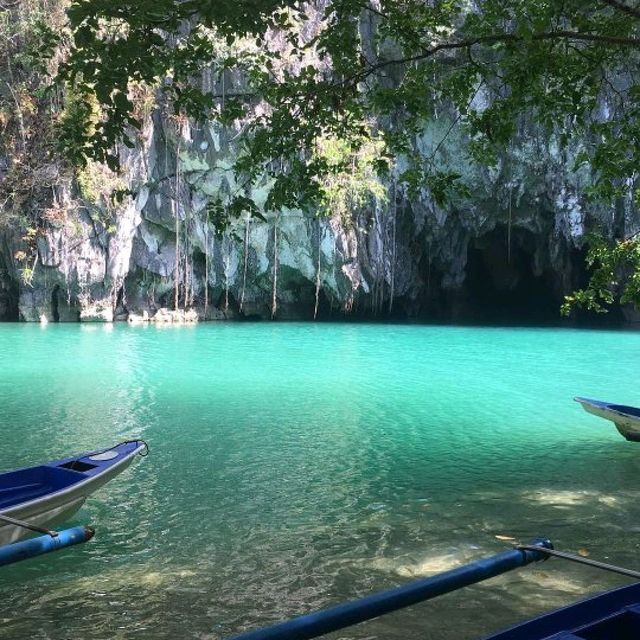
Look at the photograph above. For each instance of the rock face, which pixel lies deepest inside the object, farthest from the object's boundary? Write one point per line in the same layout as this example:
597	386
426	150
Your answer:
511	250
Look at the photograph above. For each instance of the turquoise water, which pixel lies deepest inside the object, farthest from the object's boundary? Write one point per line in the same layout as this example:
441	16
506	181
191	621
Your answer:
293	466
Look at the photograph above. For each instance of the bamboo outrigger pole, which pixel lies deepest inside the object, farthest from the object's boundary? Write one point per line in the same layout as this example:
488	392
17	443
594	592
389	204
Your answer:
344	615
18	551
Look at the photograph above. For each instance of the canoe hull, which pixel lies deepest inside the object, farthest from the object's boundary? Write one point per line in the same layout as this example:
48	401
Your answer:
626	419
57	506
610	615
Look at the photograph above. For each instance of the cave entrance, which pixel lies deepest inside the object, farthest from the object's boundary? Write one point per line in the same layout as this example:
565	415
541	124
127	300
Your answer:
8	295
501	285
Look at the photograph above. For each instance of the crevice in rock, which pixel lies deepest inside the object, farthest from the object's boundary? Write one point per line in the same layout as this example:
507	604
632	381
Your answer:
8	295
55	303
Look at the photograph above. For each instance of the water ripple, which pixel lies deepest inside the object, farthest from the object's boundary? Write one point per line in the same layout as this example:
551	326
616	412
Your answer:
295	466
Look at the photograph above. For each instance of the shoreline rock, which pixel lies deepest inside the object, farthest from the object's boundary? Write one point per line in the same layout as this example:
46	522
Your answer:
175	316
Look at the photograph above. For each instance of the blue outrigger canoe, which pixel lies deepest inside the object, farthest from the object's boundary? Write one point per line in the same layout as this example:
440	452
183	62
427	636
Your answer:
626	418
49	493
613	615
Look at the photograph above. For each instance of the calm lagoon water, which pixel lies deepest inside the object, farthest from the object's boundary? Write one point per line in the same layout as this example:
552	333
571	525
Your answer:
293	466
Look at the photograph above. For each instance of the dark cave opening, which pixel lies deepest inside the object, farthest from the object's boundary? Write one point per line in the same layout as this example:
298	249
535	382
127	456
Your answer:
8	295
502	286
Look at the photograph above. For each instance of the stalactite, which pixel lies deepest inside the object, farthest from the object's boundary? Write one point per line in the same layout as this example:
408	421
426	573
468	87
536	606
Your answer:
373	267
246	262
212	257
185	270
224	245
123	298
191	285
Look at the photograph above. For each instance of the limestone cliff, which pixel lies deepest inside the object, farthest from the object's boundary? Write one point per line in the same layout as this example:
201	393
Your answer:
514	243
511	249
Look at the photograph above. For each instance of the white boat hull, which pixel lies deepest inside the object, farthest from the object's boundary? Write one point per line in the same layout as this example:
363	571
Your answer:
54	508
627	425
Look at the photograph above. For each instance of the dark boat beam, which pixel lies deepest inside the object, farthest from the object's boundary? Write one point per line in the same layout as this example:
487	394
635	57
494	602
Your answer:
28	525
605	566
344	615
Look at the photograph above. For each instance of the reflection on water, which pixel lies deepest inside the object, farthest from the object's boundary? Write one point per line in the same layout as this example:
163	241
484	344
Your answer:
295	466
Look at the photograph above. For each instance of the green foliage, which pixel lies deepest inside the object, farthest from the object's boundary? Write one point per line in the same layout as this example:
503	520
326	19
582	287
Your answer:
571	66
615	275
27	110
349	179
103	188
556	61
221	211
76	126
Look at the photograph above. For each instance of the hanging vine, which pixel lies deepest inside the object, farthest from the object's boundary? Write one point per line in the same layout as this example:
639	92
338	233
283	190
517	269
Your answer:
392	264
318	266
246	261
175	211
509	226
274	296
227	251
206	264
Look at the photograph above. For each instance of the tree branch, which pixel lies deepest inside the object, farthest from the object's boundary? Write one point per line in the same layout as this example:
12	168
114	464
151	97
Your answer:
503	37
625	8
367	7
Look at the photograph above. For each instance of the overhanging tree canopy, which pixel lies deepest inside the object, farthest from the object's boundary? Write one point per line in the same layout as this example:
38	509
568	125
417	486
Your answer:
354	68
